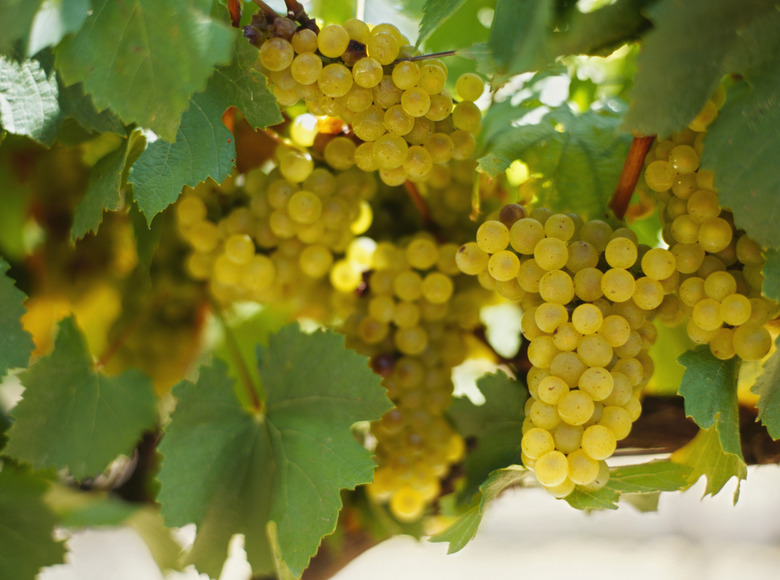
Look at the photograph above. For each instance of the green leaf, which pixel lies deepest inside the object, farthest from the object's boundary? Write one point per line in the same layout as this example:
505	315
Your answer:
709	386
435	12
26	525
17	17
771	287
748	184
519	35
284	468
767	387
579	157
496	427
145	58
29	100
78	106
671	343
104	192
690	46
706	456
465	527
605	498
204	147
330	12
55	20
16	344
72	416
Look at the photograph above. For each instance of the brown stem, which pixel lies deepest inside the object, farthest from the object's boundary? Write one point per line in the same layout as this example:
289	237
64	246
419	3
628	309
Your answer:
419	202
234	9
296	10
632	168
267	10
426	56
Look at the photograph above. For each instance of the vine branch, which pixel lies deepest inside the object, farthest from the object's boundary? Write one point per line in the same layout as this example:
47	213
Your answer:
629	176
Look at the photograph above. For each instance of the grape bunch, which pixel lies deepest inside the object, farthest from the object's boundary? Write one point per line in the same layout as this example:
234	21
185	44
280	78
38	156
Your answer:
410	320
402	120
280	236
588	293
719	266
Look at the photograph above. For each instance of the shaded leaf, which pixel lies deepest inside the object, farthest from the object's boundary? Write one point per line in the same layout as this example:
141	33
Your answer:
78	106
767	387
74	417
709	386
518	37
16	344
605	498
145	58
578	156
463	530
55	20
649	477
496	428
26	525
29	100
771	271
283	468
435	12
17	17
706	456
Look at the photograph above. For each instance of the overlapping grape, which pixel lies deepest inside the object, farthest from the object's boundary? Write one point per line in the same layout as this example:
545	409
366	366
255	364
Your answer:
588	294
402	119
719	266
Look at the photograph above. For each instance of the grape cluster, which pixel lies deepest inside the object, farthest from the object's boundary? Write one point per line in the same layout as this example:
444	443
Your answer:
588	294
403	121
410	320
719	266
279	236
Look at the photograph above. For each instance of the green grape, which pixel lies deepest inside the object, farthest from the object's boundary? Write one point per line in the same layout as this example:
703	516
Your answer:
555	286
441	107
617	420
239	248
412	340
398	121
369	124
707	314
332	41
339	153
685	230
418	162
463	144
587	284
433	76
736	309
367	72
683	159
276	54
551	469
406	75
383	46
406	314
597	233
566	337
559	226
304	207
260	273
752	342
407	285
567	437
190	210
648	293
469	87
618	285
439	146
543	415
335	80
567	365
537	442
551	389
364	157
715	234
471	259
524	234
722	344
583	470
598	442
203	237
386	94
550	316
748	251
587	319
551	254
615	330
576	408
306	68
719	285
703	205
660	176
492	236
407	504
467	116
416	101
541	351
390	151
304	40
315	260
437	288
621	253
595	351
621	391
504	265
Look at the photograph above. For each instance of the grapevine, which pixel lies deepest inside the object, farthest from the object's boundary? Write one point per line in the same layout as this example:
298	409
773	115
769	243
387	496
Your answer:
247	258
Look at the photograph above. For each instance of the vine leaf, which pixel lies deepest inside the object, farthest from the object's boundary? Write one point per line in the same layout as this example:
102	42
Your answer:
580	157
54	20
26	525
495	426
435	12
145	58
767	387
465	527
644	478
29	100
519	35
74	417
709	387
692	45
748	184
78	106
280	472
771	271
204	146
17	18
16	344
104	191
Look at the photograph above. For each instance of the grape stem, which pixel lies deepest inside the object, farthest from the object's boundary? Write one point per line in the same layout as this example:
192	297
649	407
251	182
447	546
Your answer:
234	9
255	391
425	56
632	168
267	10
419	203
